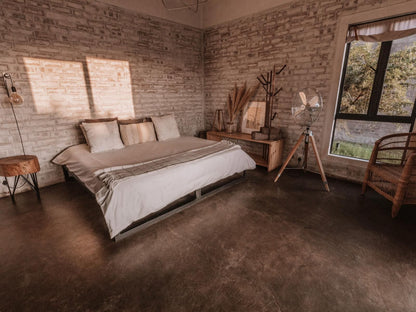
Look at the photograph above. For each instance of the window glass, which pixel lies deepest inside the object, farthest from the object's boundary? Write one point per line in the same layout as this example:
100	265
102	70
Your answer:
355	138
378	88
399	87
359	77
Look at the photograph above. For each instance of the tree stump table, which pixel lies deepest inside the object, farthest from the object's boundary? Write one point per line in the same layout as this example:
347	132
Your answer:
18	167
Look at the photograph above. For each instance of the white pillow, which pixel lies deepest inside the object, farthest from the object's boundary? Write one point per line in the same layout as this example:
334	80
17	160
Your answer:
102	136
137	133
166	127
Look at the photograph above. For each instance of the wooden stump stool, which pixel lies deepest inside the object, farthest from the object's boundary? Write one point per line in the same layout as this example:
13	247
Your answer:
19	166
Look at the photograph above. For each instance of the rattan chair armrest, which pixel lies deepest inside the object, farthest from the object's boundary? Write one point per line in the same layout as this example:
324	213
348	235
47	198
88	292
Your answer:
408	167
395	135
374	153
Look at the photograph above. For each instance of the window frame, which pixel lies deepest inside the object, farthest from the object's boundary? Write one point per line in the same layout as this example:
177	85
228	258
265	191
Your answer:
376	91
366	14
375	97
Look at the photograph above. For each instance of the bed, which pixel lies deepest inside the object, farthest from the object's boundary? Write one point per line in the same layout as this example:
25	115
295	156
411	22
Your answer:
134	182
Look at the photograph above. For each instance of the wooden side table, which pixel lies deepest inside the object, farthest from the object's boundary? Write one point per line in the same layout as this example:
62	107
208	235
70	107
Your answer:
272	149
18	167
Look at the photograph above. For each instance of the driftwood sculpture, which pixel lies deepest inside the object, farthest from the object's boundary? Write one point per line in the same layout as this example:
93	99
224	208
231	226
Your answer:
269	85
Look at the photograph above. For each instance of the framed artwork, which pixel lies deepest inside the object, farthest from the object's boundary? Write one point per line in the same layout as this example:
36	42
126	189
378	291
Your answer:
253	117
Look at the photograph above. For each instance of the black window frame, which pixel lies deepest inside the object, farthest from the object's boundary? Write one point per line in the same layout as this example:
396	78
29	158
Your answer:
376	93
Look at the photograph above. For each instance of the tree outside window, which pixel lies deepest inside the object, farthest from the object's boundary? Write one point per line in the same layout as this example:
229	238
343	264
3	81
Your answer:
377	95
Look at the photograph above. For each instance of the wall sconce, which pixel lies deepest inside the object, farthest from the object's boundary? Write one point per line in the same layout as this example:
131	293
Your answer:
14	99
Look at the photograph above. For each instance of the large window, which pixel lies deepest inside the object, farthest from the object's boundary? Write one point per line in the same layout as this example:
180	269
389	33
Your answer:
377	90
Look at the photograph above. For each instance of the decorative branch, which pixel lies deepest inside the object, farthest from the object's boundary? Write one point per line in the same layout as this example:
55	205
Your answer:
280	89
269	85
239	99
281	69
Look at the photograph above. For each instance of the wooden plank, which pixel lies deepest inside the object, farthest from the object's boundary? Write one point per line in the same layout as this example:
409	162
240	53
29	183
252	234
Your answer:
271	160
260	161
238	136
212	137
275	158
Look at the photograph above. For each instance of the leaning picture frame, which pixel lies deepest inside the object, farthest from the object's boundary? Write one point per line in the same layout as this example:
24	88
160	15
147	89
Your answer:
253	117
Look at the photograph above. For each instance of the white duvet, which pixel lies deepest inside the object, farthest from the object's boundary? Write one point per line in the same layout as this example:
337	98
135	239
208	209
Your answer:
136	197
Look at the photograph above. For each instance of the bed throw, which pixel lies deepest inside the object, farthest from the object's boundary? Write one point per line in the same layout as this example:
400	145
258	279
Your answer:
111	177
147	186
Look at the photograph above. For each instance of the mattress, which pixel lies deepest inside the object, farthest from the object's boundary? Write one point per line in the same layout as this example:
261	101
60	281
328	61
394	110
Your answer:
136	197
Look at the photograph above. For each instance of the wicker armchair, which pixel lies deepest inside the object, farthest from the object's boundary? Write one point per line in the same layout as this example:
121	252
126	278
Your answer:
391	170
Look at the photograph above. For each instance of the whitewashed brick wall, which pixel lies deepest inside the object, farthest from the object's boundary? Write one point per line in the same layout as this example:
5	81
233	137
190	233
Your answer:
300	34
76	59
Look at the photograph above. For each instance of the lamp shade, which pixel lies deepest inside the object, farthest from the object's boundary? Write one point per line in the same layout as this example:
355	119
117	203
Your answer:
15	99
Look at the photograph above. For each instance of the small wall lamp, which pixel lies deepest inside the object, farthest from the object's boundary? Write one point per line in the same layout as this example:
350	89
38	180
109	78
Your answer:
14	99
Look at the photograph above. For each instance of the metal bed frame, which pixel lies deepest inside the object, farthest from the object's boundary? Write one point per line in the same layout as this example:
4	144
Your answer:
173	208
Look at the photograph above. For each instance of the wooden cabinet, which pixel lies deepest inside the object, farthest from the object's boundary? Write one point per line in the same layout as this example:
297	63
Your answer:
272	150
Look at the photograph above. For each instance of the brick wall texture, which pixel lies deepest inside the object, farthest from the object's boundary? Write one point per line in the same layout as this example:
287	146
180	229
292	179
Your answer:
77	59
300	34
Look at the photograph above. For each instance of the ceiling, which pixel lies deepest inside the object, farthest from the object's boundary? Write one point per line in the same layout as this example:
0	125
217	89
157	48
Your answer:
211	13
220	11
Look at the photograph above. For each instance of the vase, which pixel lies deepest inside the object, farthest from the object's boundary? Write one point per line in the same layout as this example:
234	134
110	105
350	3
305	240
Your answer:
218	124
229	127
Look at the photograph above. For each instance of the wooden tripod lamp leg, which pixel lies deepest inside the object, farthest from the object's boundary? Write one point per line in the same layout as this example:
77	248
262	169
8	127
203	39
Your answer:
292	152
318	159
305	152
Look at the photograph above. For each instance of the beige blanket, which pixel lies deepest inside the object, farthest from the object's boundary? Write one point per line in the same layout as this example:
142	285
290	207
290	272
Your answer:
111	176
84	164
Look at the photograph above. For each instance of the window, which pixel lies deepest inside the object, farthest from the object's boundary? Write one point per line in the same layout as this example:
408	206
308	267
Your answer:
378	87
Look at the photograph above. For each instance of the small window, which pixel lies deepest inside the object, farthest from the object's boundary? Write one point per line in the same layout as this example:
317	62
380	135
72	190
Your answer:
377	93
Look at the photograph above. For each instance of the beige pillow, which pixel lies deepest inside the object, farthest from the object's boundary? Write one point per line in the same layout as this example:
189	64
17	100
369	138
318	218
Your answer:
129	134
166	127
102	136
94	121
136	133
146	132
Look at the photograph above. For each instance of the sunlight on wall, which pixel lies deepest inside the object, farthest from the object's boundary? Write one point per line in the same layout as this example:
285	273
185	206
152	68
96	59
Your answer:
58	87
111	87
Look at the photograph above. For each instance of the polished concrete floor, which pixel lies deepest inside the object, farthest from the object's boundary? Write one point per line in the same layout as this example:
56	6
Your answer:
257	246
